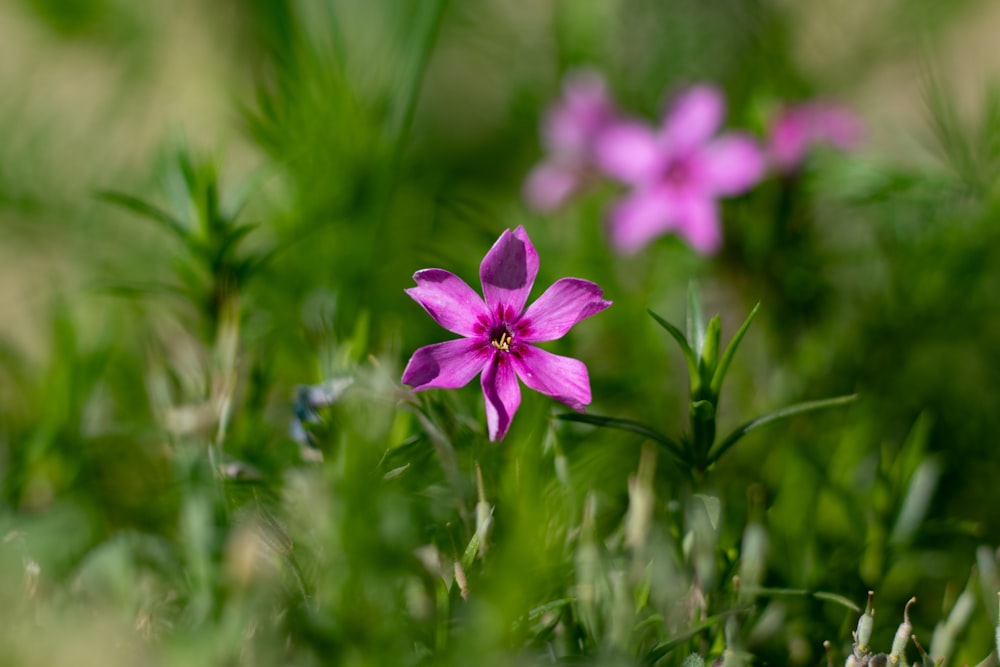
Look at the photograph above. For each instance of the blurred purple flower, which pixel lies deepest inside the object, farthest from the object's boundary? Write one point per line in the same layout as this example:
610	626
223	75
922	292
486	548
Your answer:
677	172
798	128
569	130
497	333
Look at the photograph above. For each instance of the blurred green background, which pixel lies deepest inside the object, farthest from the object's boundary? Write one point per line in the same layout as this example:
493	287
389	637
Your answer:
154	508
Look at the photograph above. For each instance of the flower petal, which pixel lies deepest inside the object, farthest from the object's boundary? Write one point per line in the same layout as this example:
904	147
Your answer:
550	185
570	125
640	217
562	305
629	151
449	300
448	365
698	223
836	125
508	271
732	164
788	138
563	378
502	394
693	118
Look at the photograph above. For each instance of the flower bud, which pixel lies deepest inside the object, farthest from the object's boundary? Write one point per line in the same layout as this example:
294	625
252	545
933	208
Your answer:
997	638
866	622
902	635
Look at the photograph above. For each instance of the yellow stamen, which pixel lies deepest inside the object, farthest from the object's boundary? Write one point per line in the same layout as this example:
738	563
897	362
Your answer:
504	342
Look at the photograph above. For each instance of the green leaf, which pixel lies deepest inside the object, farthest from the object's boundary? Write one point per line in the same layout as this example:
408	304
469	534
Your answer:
703	410
689	355
146	210
660	650
668	443
710	350
727	356
695	320
798	408
471	549
764	591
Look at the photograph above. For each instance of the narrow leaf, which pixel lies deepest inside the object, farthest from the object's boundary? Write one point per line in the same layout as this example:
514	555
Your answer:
798	408
660	650
727	356
710	350
469	556
695	320
689	355
763	591
146	210
634	427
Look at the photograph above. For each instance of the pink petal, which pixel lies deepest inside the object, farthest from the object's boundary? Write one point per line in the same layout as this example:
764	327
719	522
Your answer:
562	305
693	118
699	225
508	271
732	164
640	217
550	185
449	300
562	378
570	125
629	151
837	126
795	130
788	139
448	365
502	394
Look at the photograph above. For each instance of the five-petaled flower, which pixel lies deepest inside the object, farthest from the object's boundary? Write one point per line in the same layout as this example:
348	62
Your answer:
677	172
798	128
498	333
570	130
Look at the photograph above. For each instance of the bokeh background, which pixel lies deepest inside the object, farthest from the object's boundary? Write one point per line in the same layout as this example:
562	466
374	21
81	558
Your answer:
366	140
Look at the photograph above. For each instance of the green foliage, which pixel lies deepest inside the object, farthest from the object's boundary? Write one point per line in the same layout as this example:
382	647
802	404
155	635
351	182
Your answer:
206	454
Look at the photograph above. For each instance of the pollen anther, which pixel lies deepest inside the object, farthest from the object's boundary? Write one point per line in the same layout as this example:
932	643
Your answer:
503	342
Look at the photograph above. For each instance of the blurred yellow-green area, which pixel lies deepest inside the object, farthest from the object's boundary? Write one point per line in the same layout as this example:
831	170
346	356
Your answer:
209	213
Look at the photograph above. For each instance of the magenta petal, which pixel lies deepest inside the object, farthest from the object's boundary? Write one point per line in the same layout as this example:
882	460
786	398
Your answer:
449	300
640	217
694	118
562	378
570	125
629	151
787	142
699	225
502	394
448	365
550	185
508	271
731	164
837	126
562	305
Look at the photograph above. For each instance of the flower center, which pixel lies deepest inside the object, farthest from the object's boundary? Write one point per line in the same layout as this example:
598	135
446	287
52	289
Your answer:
501	337
677	172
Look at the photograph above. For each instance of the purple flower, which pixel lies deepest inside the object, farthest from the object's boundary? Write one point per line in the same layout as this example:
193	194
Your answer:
569	130
497	333
797	129
677	172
